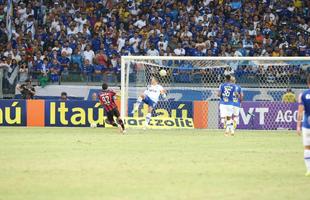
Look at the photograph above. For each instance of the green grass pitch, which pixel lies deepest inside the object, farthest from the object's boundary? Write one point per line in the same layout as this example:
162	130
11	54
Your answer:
91	164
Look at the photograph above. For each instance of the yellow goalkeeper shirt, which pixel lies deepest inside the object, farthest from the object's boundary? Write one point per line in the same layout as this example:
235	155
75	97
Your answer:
289	98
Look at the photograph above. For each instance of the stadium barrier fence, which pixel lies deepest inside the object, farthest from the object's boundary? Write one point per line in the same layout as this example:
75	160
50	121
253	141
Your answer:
180	114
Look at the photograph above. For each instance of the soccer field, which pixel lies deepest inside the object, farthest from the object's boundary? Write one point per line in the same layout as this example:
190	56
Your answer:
91	164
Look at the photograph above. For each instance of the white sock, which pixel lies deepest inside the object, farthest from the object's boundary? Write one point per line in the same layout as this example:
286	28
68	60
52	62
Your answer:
307	159
232	129
148	118
229	125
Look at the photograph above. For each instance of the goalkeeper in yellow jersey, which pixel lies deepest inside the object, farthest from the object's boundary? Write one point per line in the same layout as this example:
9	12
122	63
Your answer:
289	96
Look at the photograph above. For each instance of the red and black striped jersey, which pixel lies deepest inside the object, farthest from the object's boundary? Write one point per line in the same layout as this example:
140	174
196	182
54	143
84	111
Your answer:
106	98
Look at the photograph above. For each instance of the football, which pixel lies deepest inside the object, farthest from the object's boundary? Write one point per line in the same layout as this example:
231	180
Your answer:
93	125
162	72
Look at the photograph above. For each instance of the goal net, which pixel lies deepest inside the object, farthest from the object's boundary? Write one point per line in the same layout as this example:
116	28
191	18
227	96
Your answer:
192	84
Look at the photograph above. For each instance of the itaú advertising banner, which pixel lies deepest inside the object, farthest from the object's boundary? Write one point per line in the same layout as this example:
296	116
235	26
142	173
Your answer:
172	114
84	113
268	115
13	113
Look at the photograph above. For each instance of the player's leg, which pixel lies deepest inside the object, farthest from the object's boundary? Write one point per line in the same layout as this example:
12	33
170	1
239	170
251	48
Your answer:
138	104
229	120
148	115
229	126
223	115
110	116
306	142
236	116
119	120
151	105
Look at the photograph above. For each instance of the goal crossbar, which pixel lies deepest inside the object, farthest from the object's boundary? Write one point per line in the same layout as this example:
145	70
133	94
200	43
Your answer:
127	58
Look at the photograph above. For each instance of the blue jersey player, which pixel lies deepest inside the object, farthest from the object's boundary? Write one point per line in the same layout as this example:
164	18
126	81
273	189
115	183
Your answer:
303	123
238	97
227	94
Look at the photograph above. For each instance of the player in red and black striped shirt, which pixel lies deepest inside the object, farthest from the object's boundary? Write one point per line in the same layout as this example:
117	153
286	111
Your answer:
107	100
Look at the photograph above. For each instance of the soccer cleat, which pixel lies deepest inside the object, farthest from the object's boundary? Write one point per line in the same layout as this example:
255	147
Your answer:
120	128
307	174
232	132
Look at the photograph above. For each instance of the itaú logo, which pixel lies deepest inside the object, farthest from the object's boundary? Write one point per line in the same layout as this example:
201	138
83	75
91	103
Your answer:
11	115
61	114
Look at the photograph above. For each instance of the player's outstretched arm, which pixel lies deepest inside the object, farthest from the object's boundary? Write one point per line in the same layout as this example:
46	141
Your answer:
219	91
299	115
241	97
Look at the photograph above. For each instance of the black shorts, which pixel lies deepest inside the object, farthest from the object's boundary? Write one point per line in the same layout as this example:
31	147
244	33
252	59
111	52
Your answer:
111	114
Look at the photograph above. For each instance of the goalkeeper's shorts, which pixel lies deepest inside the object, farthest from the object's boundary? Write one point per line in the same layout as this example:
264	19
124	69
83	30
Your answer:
147	100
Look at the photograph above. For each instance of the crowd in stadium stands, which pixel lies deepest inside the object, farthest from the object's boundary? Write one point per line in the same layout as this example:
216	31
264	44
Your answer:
83	40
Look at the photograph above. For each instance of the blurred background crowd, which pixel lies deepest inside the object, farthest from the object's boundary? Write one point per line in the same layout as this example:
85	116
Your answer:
83	40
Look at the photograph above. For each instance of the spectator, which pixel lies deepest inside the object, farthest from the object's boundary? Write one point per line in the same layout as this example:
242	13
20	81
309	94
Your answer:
98	72
101	58
195	28
23	72
134	42
26	89
64	96
55	70
289	96
162	43
94	97
89	54
152	51
16	55
87	71
77	58
67	50
64	62
44	72
179	51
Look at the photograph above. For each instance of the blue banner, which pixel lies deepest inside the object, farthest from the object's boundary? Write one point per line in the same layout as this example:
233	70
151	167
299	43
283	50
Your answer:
73	113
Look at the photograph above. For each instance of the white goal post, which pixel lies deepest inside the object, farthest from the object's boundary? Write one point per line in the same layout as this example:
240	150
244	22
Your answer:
263	79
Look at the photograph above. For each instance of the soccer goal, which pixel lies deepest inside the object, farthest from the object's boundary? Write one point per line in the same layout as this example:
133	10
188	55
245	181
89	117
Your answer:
192	84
